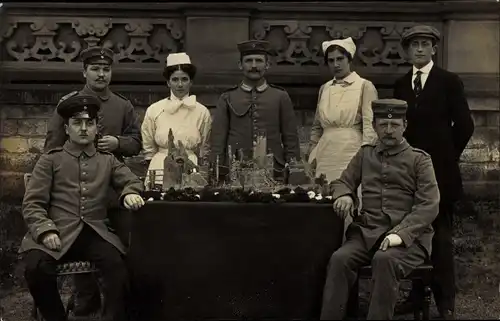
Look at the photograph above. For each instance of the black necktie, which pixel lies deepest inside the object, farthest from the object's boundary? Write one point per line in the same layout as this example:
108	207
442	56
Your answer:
418	83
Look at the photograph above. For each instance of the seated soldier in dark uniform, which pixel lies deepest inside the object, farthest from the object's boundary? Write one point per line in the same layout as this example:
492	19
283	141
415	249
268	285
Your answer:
65	210
393	231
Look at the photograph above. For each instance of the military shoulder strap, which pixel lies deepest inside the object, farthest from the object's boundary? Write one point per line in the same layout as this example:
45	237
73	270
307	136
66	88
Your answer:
105	152
121	96
418	150
225	93
277	87
231	88
55	149
71	94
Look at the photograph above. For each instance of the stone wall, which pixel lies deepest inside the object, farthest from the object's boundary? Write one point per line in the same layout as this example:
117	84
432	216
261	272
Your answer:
37	71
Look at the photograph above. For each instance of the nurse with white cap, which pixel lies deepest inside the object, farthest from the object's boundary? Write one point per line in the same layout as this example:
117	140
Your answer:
343	120
189	120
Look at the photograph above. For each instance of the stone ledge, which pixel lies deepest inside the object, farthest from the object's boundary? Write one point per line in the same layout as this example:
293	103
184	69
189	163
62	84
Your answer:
20	145
22	163
12	187
480	172
147	78
428	7
482	93
483	189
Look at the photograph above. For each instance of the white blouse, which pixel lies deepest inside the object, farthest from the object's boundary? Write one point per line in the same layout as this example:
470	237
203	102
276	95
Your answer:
189	120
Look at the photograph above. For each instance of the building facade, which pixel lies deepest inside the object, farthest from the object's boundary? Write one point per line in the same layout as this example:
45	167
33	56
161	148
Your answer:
40	45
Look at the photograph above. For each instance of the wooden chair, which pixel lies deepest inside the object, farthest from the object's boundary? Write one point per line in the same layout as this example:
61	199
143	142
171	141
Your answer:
63	271
420	279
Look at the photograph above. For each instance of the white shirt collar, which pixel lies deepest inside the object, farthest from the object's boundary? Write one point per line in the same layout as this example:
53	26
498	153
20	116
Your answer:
425	69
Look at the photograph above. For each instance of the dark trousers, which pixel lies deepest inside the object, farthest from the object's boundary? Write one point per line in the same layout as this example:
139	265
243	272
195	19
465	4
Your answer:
41	276
443	278
388	268
86	288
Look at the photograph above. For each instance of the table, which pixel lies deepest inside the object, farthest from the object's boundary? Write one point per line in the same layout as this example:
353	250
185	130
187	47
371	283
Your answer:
196	260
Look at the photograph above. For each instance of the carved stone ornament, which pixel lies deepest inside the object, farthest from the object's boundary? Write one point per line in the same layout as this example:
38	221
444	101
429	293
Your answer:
298	43
61	39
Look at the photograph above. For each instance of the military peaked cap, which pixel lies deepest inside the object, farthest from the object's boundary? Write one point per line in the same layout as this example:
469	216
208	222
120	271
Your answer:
420	31
389	108
256	47
79	106
97	54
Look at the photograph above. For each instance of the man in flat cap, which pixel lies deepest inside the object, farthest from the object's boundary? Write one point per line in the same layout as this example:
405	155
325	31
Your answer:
118	132
64	208
439	122
255	108
393	230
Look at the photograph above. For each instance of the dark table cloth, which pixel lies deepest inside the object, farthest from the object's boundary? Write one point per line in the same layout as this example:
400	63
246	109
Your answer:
195	260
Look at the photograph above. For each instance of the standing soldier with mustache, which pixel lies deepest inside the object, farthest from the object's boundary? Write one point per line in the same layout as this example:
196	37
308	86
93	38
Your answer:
118	132
252	108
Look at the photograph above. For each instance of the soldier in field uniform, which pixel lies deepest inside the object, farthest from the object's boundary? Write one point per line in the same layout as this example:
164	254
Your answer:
254	108
393	230
65	210
118	132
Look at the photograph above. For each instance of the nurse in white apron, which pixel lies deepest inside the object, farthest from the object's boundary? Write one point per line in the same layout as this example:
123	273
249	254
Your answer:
189	120
343	120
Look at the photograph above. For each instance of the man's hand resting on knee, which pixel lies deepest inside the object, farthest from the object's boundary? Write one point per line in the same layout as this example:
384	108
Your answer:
390	240
52	241
344	206
133	201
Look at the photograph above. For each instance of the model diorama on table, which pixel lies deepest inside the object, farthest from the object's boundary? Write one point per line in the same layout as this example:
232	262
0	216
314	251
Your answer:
251	178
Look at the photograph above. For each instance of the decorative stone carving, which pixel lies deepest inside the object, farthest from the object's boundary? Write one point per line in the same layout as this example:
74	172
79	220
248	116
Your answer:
298	43
59	39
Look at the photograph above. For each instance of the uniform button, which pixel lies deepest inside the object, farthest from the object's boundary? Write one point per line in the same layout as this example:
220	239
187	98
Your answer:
84	173
84	164
81	217
84	188
83	207
83	198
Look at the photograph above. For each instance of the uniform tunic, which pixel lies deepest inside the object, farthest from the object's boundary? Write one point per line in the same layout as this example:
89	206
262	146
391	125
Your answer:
116	117
190	122
68	188
399	190
244	112
401	196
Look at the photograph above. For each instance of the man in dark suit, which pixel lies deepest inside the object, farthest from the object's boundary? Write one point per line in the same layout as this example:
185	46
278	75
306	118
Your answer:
439	122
